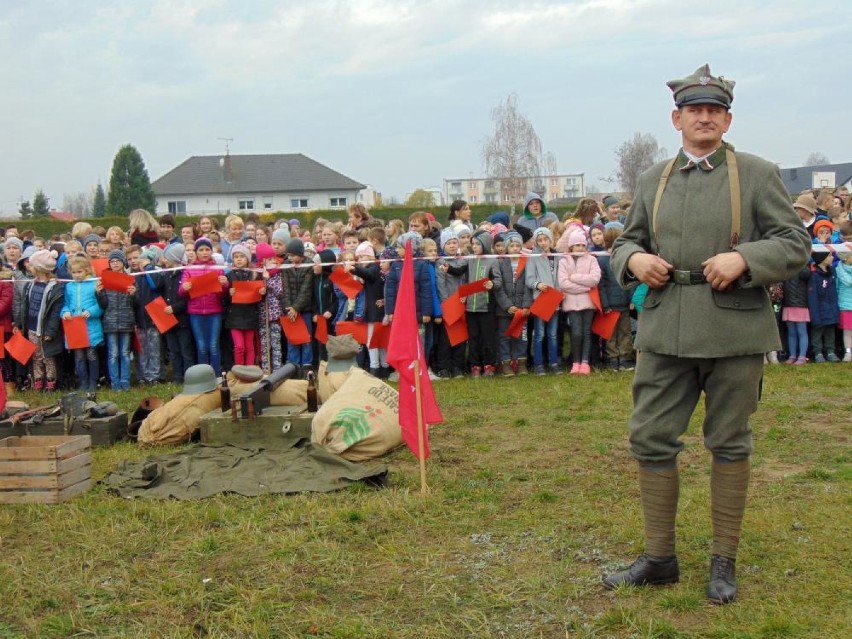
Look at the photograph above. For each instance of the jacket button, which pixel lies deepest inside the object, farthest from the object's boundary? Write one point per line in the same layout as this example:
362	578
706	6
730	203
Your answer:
737	304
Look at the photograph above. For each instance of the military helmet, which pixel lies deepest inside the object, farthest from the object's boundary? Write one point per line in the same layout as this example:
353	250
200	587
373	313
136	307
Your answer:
200	378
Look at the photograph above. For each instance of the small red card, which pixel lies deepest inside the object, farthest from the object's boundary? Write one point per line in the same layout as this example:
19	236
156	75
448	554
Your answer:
321	330
546	303
452	308
2	344
295	330
76	333
205	284
100	265
457	333
20	348
157	312
604	323
380	336
516	326
466	290
114	281
247	292
346	283
358	330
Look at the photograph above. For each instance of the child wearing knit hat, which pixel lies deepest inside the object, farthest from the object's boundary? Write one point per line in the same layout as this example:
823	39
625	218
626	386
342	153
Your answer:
540	276
577	275
40	318
241	318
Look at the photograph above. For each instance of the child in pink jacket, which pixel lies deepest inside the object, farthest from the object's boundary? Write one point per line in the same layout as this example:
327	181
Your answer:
578	273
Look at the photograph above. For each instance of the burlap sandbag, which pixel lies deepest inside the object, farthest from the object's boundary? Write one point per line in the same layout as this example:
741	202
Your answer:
177	420
291	392
361	420
328	383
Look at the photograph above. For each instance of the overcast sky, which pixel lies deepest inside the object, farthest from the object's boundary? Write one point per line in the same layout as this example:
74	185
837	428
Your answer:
398	94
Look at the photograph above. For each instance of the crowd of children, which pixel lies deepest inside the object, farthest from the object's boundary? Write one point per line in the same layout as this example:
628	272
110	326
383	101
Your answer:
170	296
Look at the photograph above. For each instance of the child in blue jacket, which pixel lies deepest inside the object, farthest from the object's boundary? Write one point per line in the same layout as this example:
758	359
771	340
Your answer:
81	300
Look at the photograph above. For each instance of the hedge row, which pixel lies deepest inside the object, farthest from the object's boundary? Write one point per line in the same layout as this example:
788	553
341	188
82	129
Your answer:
47	227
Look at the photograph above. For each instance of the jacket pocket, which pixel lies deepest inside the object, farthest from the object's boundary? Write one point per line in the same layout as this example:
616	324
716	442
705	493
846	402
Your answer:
653	298
742	299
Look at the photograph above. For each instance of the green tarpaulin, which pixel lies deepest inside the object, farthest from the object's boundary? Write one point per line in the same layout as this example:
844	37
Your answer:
206	469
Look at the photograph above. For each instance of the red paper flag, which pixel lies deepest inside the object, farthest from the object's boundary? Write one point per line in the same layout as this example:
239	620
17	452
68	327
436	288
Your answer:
205	284
516	326
248	292
452	308
2	344
546	303
296	331
20	348
457	332
380	336
404	349
345	282
100	265
321	331
76	333
522	263
114	281
604	323
358	330
466	290
157	312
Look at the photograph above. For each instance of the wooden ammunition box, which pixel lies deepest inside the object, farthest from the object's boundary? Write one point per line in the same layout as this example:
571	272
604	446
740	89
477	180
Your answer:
44	469
104	431
275	428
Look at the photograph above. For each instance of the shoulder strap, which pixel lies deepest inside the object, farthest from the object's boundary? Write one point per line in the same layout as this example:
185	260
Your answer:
734	183
664	178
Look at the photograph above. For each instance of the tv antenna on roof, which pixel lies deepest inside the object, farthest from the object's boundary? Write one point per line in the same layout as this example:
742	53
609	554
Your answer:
227	143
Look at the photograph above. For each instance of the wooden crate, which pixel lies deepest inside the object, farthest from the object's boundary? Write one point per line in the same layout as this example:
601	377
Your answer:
104	431
43	469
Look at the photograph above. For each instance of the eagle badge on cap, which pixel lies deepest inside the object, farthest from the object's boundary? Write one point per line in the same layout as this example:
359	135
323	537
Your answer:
704	80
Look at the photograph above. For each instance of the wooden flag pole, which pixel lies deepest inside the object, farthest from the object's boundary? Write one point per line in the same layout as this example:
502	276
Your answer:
421	448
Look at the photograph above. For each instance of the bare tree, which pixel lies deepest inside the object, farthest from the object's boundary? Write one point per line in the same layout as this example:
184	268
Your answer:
548	165
76	203
513	152
816	158
635	156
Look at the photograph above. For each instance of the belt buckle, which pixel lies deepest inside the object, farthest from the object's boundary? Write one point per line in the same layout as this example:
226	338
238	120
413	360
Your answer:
697	277
681	277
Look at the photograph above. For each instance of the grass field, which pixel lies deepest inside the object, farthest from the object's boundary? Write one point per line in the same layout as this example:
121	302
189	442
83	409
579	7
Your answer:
533	498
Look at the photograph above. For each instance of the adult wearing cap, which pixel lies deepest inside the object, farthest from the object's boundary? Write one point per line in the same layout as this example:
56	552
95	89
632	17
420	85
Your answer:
707	232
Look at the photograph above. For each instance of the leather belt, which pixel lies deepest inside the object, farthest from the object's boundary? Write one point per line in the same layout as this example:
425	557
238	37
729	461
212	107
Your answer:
688	278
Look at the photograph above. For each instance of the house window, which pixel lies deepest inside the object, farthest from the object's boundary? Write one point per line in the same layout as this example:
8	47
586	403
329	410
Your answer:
267	202
455	186
554	182
491	198
247	205
490	184
471	184
506	198
298	203
178	206
473	199
337	202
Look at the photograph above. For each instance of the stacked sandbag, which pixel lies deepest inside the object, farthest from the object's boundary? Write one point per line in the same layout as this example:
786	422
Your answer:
176	421
360	419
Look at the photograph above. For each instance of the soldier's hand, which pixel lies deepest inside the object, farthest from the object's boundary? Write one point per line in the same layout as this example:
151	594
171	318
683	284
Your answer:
649	269
724	269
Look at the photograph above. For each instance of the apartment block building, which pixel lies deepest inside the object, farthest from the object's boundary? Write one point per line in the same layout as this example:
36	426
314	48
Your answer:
505	191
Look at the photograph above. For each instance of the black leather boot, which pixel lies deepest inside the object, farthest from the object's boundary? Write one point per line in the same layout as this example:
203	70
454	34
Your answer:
646	570
722	587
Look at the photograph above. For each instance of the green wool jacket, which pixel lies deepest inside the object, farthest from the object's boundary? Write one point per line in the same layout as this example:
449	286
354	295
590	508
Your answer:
694	224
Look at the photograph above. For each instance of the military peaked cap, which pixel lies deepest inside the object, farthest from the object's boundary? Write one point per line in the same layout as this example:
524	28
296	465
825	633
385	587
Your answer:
702	88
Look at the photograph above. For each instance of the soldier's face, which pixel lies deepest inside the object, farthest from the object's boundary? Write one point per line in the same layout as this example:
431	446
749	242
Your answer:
701	126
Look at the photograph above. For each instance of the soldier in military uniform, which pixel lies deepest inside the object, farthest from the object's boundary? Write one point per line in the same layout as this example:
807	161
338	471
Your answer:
707	231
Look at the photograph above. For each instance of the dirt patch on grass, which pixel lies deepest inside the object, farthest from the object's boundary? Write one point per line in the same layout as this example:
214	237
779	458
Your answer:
772	472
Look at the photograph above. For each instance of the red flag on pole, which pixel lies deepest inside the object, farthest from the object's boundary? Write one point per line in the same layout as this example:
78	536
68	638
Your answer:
405	348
